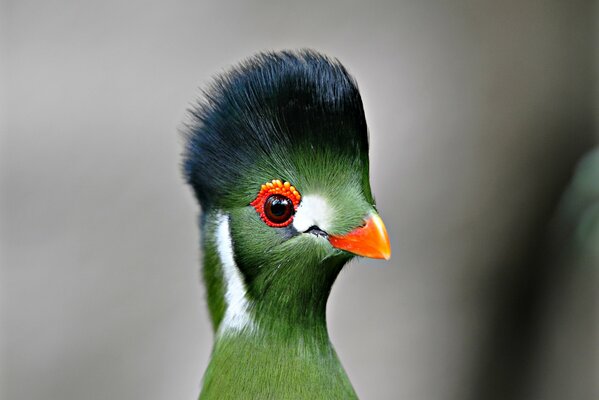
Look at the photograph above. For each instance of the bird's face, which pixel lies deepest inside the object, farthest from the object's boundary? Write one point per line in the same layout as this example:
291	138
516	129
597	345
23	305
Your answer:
311	212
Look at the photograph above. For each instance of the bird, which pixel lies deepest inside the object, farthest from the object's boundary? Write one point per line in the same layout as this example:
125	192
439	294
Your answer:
276	153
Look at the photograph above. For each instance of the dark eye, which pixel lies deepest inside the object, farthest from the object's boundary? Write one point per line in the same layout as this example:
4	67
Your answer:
276	203
278	208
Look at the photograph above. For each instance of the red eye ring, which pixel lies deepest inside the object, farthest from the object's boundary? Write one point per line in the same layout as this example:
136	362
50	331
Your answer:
276	203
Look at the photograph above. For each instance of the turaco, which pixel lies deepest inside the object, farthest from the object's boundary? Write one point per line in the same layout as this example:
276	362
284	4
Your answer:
277	155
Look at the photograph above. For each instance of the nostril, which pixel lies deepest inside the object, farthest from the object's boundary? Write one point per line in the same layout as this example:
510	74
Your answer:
316	231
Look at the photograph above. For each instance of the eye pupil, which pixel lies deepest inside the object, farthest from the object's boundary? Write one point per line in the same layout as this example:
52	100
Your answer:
278	208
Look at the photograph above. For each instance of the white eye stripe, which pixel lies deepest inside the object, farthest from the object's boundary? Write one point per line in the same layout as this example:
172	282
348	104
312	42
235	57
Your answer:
312	211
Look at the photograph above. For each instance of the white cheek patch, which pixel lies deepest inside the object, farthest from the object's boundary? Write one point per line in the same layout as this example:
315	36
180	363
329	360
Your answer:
312	211
236	315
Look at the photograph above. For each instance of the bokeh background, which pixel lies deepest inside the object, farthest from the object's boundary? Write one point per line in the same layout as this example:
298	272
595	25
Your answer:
479	112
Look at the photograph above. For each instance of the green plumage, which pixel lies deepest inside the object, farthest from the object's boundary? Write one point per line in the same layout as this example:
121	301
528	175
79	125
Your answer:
296	117
270	367
288	282
289	354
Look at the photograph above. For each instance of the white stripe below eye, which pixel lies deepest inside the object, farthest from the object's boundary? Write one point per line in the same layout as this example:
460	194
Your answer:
236	315
313	210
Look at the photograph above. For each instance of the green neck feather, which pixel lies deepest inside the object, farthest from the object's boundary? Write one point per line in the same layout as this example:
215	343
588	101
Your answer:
284	350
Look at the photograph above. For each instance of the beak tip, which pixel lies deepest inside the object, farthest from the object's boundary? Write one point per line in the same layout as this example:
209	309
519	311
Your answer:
386	254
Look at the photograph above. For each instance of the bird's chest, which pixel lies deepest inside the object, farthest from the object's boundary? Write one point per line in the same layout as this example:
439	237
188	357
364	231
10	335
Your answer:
258	368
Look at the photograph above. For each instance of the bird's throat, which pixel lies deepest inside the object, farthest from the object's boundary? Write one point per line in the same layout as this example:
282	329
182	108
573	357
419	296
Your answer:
290	294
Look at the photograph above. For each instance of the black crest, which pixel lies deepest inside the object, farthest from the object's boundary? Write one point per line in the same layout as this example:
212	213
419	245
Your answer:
265	106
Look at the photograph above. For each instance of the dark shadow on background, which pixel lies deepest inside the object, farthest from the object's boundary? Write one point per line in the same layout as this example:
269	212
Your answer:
512	357
540	272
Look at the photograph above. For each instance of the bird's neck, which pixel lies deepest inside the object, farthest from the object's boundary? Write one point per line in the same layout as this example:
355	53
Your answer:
259	366
296	302
290	295
271	335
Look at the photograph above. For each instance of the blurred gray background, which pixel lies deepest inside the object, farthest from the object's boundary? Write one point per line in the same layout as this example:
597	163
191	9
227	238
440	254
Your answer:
478	113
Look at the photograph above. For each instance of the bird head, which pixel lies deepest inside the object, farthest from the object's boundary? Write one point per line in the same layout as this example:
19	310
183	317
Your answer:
278	150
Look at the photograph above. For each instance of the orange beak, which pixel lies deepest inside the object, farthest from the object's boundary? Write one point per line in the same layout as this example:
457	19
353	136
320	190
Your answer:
370	240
